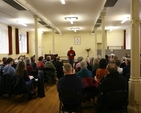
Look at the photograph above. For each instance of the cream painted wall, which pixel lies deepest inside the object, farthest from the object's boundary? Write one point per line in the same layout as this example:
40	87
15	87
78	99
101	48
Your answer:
99	36
65	41
32	43
115	38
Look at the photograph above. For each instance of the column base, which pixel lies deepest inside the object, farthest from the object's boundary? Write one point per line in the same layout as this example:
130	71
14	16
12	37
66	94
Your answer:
133	109
134	98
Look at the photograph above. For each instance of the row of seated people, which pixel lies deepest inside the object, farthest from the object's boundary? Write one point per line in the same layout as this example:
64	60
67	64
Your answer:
98	66
107	79
20	72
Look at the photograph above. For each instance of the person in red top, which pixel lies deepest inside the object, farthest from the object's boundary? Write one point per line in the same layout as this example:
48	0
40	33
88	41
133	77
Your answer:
71	54
40	64
29	68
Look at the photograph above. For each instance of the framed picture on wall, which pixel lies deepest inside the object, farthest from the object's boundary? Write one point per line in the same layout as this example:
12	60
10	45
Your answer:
77	40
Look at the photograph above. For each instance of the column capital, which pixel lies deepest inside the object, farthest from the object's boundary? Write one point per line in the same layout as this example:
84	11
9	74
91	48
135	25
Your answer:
35	16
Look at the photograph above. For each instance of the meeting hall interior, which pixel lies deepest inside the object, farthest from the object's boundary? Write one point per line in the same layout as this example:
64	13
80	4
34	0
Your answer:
70	56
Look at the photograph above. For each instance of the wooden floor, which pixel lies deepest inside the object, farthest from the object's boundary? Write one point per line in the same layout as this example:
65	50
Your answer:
48	104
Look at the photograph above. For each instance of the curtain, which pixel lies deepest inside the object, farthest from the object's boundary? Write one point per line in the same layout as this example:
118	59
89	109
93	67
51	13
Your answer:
17	40
124	43
10	39
27	36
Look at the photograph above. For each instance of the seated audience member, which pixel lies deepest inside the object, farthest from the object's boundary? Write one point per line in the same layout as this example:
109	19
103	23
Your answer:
126	69
115	58
22	59
123	62
50	70
70	81
117	62
59	67
107	58
77	67
127	55
21	71
84	72
99	57
8	69
49	64
101	71
40	64
91	61
4	62
29	67
15	62
33	64
95	66
112	82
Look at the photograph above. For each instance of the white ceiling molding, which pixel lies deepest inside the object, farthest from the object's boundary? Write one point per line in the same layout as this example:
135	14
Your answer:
102	8
35	12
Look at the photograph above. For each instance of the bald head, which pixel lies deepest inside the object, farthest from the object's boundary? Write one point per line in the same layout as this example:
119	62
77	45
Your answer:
57	58
112	67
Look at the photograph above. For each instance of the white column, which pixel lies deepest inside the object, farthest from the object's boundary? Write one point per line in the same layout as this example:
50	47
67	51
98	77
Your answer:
105	39
135	81
95	55
103	34
53	41
36	37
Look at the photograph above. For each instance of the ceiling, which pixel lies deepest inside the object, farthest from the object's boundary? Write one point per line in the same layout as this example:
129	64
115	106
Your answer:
54	13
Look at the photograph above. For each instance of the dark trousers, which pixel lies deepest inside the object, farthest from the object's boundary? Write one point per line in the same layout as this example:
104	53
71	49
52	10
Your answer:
71	61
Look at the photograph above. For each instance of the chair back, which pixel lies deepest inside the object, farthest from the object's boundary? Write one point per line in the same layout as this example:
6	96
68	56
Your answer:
116	100
19	86
6	84
89	82
35	73
70	97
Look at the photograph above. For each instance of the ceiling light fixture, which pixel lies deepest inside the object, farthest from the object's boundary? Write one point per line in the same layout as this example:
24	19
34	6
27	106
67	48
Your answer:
62	1
21	23
124	20
71	19
74	29
111	29
71	22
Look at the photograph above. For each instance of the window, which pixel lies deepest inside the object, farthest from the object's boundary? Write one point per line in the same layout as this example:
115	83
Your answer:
23	42
128	38
3	39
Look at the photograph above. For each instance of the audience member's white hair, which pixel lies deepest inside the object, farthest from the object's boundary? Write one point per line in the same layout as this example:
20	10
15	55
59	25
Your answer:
83	64
124	58
112	54
21	58
80	58
99	57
